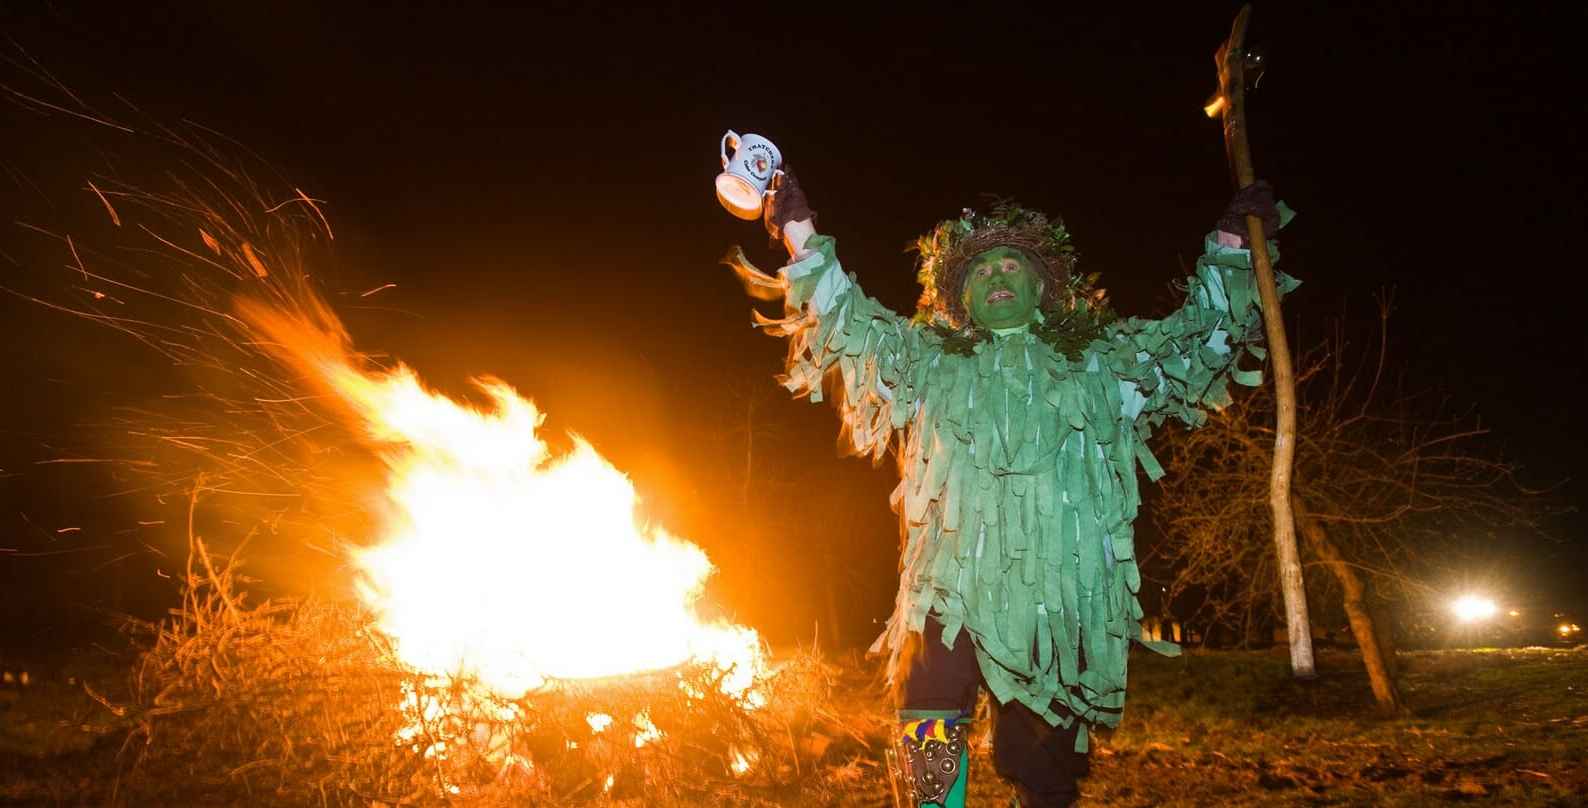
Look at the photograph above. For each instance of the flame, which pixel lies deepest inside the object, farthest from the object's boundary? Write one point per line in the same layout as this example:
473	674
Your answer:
496	559
740	761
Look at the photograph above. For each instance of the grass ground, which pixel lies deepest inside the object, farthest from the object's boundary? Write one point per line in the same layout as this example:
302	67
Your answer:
1504	726
1221	728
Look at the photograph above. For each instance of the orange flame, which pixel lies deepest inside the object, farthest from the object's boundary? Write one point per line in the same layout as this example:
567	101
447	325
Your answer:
496	559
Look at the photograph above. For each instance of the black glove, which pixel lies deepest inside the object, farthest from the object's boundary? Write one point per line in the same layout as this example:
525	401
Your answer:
786	204
1257	200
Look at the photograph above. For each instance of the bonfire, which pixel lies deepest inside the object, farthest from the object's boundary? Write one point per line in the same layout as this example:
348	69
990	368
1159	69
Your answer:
508	627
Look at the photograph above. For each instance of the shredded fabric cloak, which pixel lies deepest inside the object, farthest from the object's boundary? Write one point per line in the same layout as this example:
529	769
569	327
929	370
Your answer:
1018	484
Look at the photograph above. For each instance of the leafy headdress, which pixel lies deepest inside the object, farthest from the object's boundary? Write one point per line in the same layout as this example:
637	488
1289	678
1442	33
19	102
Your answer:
1073	311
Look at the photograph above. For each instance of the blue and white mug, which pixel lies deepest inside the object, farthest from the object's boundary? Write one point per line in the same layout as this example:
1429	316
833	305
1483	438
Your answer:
747	174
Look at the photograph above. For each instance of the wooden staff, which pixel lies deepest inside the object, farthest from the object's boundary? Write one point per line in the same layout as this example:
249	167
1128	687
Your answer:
1232	63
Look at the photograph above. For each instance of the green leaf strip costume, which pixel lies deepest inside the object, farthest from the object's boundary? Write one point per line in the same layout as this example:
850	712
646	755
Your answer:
1018	463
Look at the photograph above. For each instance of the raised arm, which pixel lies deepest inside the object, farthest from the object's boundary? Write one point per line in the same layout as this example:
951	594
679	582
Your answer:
833	327
1181	365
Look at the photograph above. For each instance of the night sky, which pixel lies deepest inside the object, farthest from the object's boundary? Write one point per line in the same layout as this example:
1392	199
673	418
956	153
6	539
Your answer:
537	185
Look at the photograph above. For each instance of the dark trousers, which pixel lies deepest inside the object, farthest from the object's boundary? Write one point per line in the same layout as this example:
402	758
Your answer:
1038	759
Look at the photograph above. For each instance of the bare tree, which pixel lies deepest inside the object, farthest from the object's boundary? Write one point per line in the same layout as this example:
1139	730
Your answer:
1385	483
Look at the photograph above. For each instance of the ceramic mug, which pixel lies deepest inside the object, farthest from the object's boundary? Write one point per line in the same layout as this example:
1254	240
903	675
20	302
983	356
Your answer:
747	174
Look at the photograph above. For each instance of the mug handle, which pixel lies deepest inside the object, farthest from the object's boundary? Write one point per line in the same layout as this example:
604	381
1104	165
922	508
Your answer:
730	136
777	182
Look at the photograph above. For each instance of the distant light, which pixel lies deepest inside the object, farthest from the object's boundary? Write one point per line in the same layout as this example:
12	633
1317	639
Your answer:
1567	629
1515	613
1472	608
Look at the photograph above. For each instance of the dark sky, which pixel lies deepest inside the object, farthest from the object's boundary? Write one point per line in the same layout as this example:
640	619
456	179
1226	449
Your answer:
538	187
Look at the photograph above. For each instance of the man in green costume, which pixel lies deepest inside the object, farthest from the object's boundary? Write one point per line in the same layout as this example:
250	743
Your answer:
1023	407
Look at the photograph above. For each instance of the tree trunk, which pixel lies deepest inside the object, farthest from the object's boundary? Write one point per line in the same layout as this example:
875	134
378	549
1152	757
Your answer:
1378	659
1386	640
1232	90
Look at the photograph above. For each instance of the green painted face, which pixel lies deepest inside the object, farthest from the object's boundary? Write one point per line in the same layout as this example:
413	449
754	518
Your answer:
1001	289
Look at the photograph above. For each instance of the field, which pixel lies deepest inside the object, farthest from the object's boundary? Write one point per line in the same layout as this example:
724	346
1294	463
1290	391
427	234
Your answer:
1505	726
1215	728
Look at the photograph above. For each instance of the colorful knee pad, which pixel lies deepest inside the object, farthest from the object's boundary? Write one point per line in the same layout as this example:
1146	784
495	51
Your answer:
933	753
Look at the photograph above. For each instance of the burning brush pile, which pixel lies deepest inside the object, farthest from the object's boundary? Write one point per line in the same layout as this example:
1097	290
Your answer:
509	628
308	702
